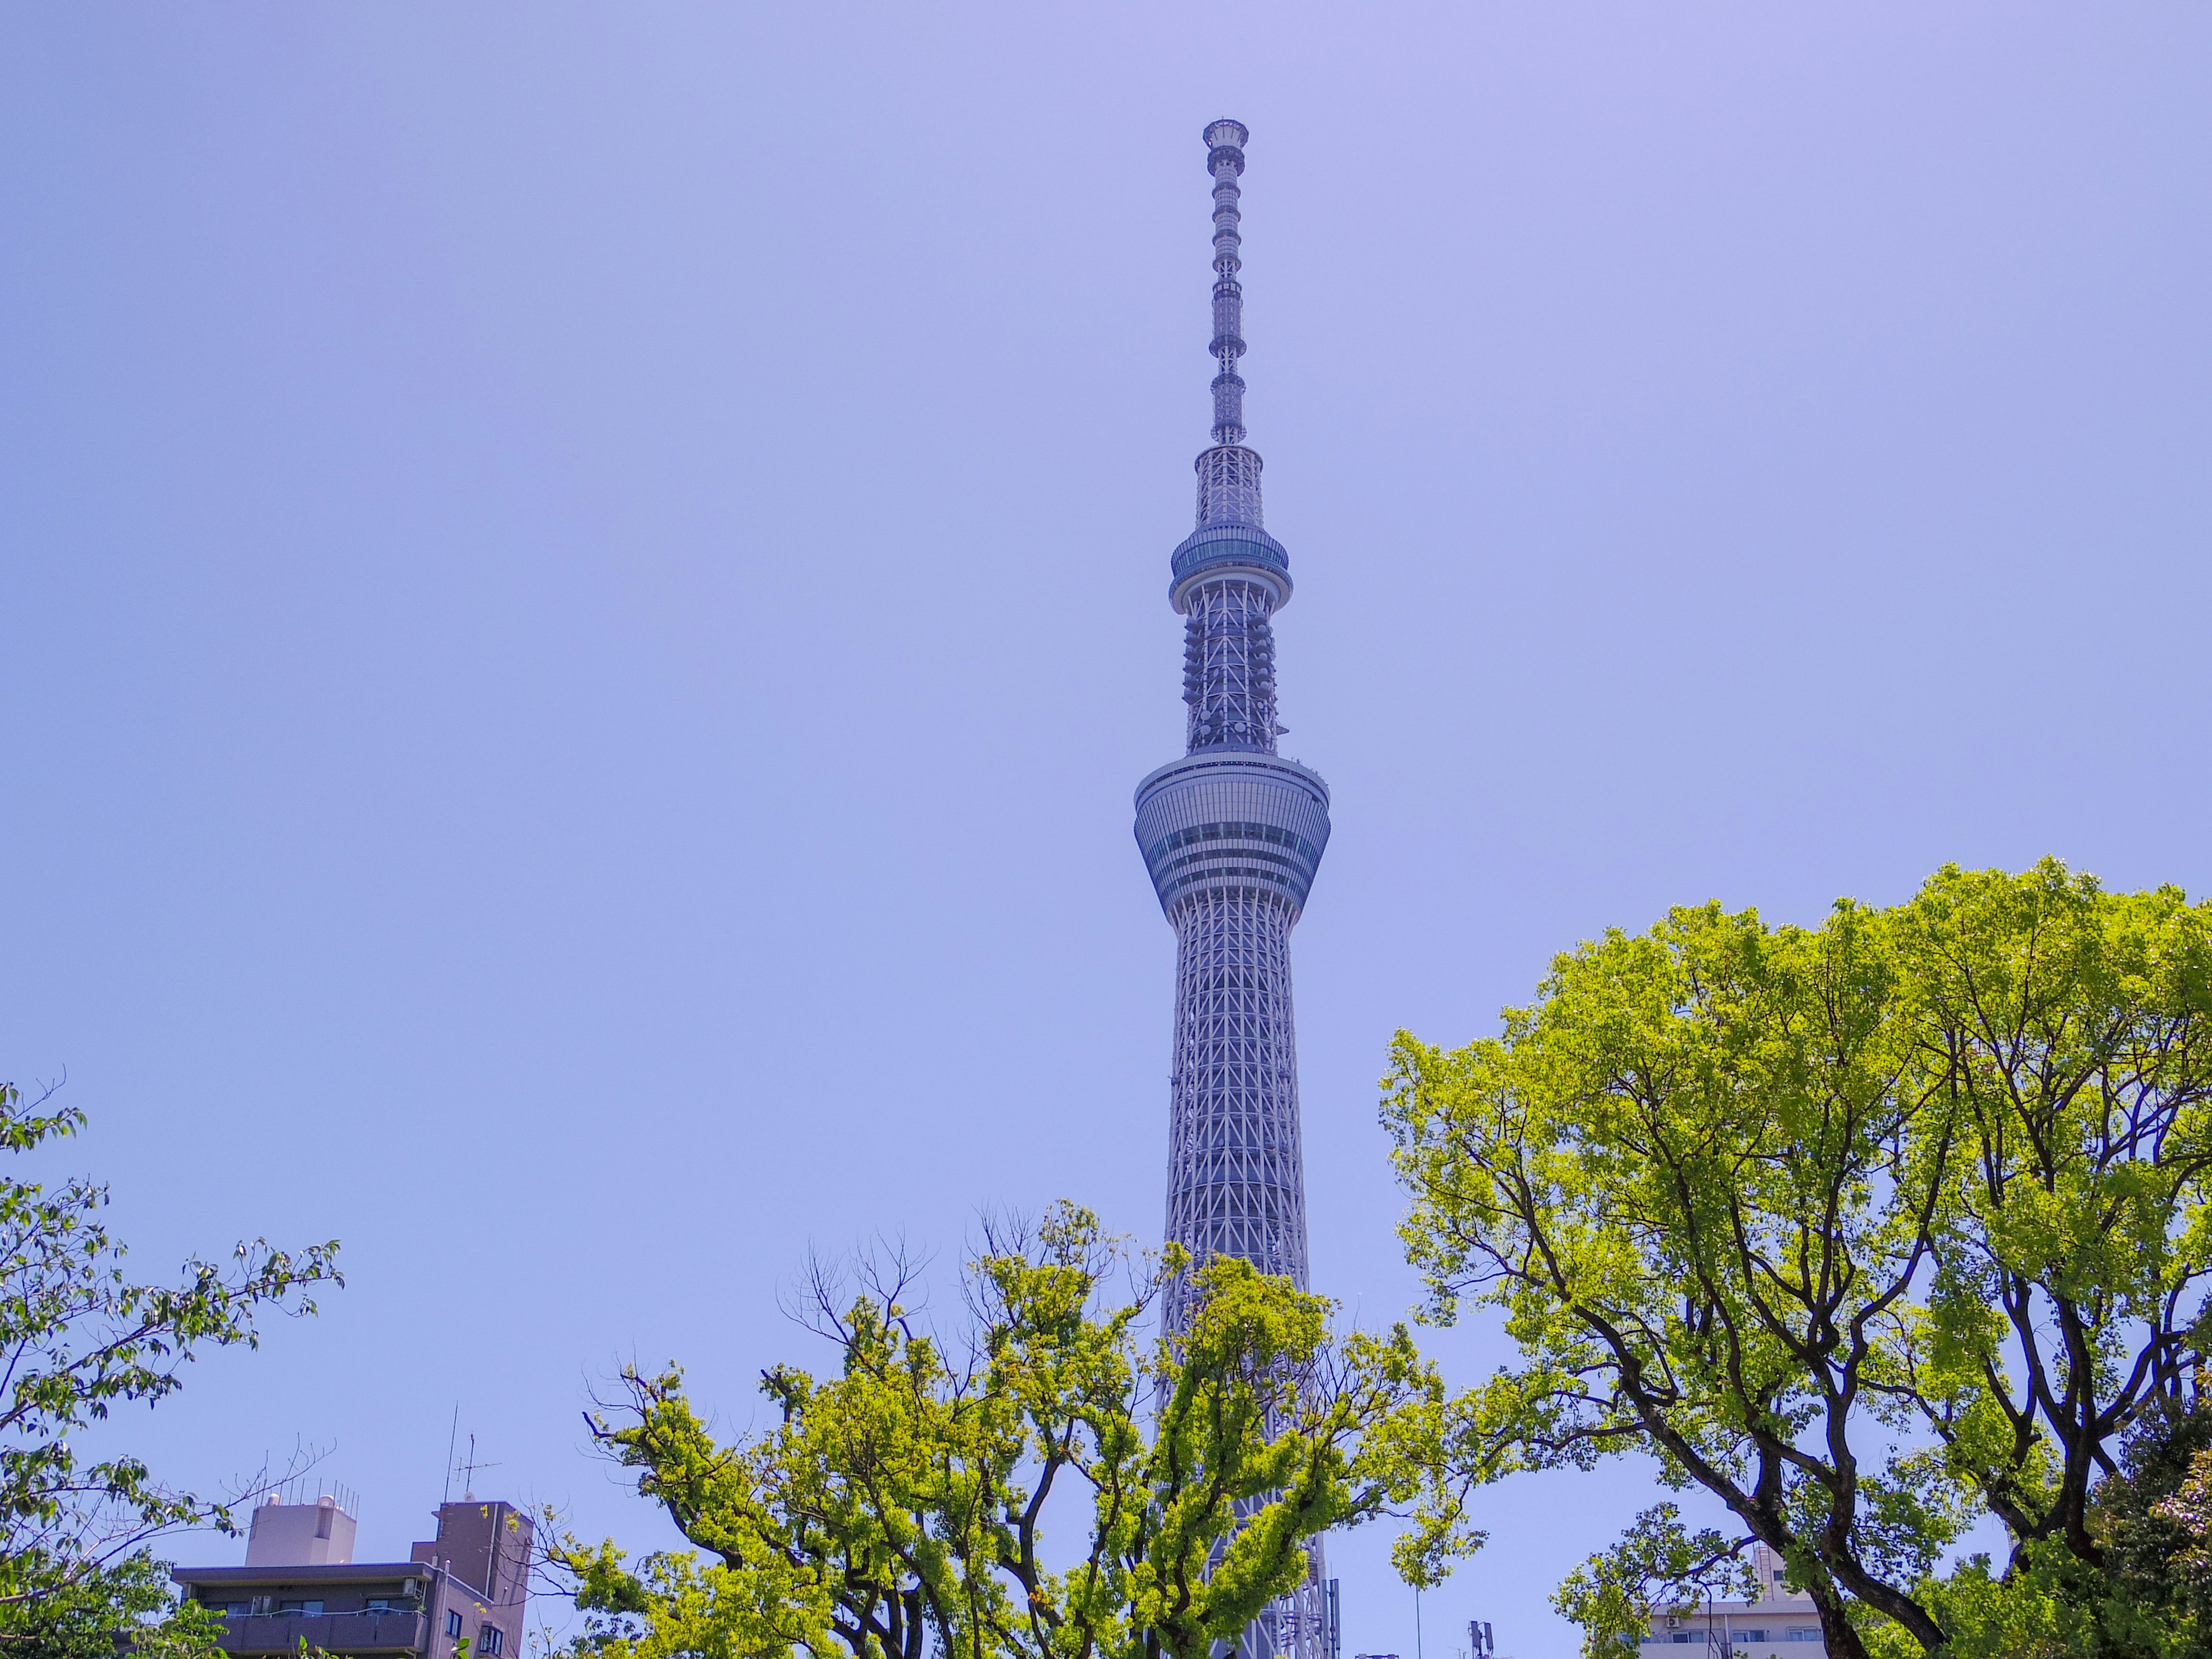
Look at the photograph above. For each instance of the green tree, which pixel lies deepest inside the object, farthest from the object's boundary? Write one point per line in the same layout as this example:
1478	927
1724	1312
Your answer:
1863	1228
2151	1596
2157	1567
2070	1032
2189	1508
79	1614
897	1507
77	1338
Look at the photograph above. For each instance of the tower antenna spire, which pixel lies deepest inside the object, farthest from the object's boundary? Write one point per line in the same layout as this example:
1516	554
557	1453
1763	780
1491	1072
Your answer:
1225	160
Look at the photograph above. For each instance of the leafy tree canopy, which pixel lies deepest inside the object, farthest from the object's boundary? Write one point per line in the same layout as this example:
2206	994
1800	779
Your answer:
77	1338
1868	1229
895	1507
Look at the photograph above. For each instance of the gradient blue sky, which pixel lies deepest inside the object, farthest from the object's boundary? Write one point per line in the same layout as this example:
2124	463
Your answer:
584	594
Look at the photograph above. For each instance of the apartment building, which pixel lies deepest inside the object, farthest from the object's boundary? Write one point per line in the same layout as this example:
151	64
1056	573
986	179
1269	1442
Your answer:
1777	1625
300	1584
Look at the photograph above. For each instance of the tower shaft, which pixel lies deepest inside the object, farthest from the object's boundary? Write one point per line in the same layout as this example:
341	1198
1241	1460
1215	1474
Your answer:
1236	1175
1232	834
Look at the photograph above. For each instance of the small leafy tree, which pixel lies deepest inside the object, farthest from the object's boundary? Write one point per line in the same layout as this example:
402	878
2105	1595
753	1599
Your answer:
2189	1511
896	1508
81	1615
1659	1564
77	1338
1864	1229
2150	1522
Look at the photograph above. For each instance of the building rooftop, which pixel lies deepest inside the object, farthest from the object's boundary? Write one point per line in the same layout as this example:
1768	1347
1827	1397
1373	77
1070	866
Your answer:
329	1572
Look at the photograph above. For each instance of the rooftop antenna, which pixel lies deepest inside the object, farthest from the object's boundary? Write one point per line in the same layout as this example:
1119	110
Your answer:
451	1435
469	1473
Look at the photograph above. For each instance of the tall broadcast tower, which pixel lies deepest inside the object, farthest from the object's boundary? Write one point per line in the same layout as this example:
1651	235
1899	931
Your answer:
1232	834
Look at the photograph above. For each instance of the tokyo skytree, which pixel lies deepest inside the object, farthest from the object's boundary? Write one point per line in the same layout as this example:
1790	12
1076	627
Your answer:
1232	834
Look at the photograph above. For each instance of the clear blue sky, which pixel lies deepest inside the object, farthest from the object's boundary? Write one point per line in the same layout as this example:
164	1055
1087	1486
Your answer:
584	591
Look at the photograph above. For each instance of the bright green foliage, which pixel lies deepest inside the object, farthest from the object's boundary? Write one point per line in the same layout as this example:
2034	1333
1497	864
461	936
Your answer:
1862	1229
76	1339
895	1508
78	1612
2071	1033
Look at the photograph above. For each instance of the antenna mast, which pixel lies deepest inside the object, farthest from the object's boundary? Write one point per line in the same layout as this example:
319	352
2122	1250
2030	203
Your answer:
1225	160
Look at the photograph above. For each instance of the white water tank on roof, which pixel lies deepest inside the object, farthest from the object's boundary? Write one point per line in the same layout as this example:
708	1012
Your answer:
316	1535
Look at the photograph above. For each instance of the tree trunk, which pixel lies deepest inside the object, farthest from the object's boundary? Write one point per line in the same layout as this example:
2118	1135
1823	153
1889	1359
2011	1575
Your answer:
1837	1634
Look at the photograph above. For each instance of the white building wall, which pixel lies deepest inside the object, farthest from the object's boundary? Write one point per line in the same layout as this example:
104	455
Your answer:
1778	1625
300	1535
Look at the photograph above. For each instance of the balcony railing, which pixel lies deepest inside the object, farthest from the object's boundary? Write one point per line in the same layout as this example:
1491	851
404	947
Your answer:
399	1631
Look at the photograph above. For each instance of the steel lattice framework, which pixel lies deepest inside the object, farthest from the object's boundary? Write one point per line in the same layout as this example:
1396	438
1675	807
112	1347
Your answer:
1235	1182
1232	834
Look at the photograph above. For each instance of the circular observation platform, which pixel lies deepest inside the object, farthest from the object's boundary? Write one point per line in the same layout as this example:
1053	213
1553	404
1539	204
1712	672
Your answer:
1225	818
1219	548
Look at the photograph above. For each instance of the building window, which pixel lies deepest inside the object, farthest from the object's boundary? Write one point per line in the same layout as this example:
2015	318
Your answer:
453	1626
490	1638
300	1609
1802	1634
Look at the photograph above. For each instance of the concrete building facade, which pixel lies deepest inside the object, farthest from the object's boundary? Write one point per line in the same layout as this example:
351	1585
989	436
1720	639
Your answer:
1778	1624
300	1583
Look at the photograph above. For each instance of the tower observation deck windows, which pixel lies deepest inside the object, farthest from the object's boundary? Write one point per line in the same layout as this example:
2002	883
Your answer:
1201	832
1228	878
1204	854
1228	852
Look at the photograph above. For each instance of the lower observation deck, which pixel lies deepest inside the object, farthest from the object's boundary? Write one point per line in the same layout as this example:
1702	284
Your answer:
1232	817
